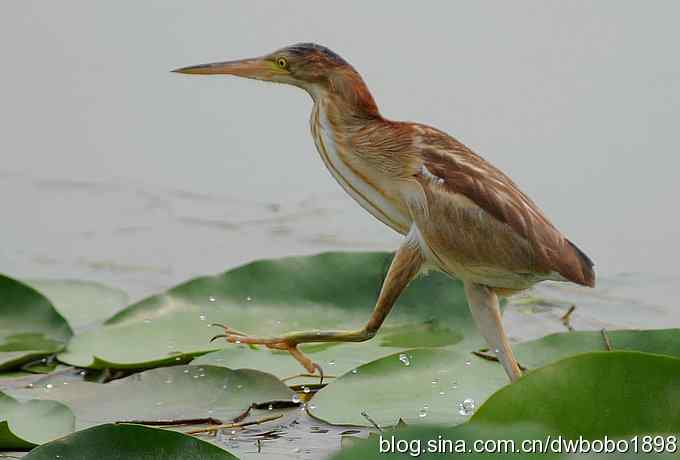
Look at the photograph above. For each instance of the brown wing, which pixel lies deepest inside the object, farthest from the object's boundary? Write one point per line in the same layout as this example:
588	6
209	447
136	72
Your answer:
466	173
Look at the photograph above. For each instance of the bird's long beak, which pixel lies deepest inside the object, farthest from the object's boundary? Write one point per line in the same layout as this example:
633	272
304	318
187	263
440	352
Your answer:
258	68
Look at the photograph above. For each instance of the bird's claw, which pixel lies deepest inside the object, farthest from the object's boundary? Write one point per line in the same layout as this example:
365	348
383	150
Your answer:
233	336
229	332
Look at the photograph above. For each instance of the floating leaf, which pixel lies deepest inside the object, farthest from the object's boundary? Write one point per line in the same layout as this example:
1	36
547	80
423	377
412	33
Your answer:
465	441
339	358
593	395
114	442
342	400
170	393
30	327
616	393
82	303
27	424
553	347
272	297
418	386
442	442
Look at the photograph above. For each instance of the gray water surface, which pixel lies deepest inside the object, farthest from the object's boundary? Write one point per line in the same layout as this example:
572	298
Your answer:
115	169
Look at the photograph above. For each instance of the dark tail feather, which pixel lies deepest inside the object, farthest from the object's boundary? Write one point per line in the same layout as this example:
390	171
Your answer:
588	278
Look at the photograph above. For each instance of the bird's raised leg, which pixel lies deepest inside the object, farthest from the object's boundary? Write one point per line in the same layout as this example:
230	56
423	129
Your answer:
405	266
487	314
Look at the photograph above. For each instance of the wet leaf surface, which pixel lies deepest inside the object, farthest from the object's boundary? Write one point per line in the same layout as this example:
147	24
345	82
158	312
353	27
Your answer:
113	442
551	348
418	386
419	368
30	423
82	303
30	326
614	393
273	297
387	391
171	393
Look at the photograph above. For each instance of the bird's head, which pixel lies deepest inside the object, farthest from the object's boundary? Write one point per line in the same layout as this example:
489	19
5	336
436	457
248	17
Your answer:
309	66
304	65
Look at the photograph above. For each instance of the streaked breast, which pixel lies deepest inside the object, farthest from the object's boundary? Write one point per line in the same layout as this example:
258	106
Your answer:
356	183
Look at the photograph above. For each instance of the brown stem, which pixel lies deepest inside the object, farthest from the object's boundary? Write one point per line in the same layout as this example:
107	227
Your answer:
367	417
216	428
186	421
484	354
306	375
607	342
566	318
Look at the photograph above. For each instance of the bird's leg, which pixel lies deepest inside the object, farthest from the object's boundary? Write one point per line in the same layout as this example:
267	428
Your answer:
487	314
405	266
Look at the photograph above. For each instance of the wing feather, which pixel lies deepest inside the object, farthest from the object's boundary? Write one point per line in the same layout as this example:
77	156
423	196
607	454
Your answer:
404	151
466	173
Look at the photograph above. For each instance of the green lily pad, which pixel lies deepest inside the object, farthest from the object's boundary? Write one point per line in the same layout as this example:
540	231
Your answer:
553	347
169	393
440	442
339	358
114	442
273	297
517	440
380	388
30	327
25	425
618	393
615	394
417	386
82	303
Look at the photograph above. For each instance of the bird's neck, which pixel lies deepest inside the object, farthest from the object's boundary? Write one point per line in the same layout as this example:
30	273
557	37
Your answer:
347	97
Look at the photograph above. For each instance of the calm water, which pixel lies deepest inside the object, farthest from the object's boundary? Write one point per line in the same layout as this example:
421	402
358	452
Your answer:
114	169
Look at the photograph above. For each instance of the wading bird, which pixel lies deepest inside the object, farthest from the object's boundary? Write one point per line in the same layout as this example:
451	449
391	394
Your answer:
458	213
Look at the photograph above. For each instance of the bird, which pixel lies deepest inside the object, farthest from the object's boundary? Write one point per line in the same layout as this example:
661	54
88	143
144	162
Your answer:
458	213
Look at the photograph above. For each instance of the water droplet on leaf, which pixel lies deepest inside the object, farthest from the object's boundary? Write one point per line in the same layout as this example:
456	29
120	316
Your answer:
403	357
466	406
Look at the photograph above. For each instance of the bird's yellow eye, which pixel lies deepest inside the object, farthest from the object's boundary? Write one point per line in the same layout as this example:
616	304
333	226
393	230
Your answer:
282	62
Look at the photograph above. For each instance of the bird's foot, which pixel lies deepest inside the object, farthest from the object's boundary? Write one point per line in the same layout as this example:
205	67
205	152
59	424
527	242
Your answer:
278	343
